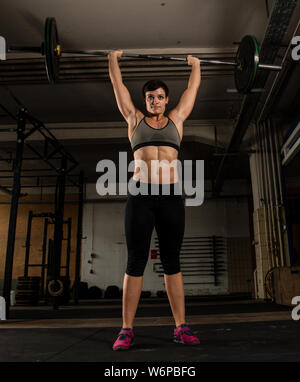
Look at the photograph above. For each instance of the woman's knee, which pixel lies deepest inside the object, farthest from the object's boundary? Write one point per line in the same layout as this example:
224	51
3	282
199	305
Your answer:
171	264
136	265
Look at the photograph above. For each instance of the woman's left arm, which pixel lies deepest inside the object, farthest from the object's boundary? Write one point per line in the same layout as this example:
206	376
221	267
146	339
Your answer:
188	98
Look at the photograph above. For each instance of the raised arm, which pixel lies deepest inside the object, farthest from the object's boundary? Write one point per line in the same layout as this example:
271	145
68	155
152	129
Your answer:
187	100
122	94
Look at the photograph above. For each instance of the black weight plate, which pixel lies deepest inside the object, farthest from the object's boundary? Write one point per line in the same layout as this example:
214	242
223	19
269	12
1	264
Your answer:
112	291
247	60
55	287
51	52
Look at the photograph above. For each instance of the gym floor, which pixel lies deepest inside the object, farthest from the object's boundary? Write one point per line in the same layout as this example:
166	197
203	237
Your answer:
231	329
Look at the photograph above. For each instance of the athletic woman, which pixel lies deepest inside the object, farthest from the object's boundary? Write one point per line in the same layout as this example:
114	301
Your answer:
155	140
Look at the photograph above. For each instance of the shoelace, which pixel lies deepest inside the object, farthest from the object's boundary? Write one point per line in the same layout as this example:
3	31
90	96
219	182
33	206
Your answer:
186	330
189	333
123	336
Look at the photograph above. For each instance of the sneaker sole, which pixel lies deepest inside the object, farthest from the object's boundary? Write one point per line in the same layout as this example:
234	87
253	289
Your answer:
182	343
122	348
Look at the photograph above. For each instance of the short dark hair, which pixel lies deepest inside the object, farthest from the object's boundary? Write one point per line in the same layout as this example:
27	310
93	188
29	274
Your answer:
153	85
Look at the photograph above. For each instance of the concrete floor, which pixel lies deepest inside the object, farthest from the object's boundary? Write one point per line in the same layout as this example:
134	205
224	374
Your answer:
229	331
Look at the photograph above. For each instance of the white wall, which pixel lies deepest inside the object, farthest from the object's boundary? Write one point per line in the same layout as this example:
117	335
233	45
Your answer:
103	227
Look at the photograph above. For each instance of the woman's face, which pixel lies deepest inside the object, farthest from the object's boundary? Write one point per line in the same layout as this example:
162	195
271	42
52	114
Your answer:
156	101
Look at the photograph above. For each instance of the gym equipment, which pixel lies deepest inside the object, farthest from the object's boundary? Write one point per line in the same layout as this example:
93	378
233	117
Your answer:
145	294
55	287
94	292
31	215
43	265
112	291
28	290
246	63
52	148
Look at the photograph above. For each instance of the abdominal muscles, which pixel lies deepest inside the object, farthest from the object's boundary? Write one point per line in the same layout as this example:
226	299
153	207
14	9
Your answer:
156	164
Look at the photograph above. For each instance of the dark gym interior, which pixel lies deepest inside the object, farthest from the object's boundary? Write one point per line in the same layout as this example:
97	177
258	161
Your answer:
62	245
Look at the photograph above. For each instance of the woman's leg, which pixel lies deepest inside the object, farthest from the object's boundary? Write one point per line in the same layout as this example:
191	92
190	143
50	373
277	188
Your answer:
175	292
170	230
139	224
132	288
169	225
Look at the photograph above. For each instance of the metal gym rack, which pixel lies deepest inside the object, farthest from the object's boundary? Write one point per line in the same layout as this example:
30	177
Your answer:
52	151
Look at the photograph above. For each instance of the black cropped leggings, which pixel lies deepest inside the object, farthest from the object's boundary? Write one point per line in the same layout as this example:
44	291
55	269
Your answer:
166	214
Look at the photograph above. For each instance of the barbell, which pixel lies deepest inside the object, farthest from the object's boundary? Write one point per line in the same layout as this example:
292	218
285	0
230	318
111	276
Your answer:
246	63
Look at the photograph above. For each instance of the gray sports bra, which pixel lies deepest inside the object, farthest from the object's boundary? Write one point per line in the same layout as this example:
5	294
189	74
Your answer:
145	135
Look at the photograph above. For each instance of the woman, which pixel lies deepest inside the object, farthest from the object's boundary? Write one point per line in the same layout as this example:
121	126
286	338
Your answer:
154	137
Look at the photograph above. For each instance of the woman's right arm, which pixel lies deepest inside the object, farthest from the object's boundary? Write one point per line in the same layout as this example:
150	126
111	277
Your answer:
122	94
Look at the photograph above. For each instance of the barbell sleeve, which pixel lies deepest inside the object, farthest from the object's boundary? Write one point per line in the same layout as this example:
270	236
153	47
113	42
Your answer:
270	67
87	52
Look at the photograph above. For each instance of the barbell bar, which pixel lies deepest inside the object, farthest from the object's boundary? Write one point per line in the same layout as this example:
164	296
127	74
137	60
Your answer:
246	61
164	58
144	56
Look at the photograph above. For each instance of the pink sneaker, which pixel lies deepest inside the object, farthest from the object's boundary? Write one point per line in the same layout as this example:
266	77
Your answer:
124	340
184	335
